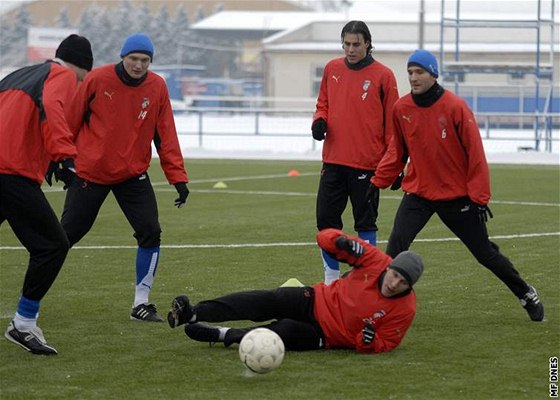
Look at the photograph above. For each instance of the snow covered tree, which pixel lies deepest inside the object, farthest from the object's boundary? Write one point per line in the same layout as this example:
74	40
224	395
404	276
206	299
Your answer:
160	34
16	38
63	19
142	18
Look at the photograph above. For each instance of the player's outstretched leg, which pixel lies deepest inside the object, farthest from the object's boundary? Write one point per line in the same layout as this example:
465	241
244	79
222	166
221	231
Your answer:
31	340
209	334
181	311
532	304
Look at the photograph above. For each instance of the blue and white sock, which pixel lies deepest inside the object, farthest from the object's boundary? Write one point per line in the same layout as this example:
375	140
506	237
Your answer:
26	314
331	267
147	259
368	236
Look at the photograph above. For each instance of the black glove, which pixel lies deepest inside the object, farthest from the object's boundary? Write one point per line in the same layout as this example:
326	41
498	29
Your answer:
397	184
372	194
352	247
63	170
319	128
368	333
484	213
183	191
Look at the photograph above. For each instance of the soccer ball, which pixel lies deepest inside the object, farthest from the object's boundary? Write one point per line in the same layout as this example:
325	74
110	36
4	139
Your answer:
261	350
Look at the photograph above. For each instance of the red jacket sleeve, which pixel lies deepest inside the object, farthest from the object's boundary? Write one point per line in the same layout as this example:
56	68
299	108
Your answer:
322	106
58	91
393	161
326	240
391	96
79	104
478	175
169	150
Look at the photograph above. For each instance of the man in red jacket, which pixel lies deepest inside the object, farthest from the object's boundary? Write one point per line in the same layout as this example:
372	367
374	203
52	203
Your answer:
119	111
353	117
34	104
369	310
447	174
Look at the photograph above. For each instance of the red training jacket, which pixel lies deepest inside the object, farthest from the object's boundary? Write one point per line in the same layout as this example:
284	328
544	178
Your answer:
357	106
34	104
447	158
116	125
343	307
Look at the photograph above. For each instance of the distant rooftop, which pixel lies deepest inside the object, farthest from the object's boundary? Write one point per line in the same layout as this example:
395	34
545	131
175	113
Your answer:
379	10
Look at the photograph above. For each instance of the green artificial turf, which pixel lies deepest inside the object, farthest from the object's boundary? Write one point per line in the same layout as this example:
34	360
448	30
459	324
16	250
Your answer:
470	339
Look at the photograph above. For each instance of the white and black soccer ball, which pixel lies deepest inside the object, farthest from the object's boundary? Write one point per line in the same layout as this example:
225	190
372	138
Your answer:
261	350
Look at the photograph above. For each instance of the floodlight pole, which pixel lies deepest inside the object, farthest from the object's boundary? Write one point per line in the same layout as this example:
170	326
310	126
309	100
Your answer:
421	25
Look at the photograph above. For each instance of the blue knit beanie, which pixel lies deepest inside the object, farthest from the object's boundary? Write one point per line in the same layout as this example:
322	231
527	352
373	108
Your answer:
138	43
426	60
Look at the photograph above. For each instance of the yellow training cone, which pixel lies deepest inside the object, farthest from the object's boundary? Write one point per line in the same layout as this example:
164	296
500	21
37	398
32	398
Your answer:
220	185
292	282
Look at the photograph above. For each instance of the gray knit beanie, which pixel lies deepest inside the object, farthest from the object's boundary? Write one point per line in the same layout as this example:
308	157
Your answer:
409	265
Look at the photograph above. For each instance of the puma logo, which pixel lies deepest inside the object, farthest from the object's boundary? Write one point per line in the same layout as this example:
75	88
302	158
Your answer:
336	78
407	118
109	95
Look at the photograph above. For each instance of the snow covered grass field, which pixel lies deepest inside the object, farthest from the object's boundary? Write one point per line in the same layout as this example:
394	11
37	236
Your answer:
278	137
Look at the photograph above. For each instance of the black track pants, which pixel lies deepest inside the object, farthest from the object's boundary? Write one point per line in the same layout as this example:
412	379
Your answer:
291	308
135	197
337	184
24	205
461	217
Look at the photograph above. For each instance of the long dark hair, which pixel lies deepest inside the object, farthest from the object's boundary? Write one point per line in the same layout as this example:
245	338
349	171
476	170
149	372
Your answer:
357	27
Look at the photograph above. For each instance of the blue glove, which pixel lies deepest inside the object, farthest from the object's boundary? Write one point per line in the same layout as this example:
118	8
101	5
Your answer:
183	191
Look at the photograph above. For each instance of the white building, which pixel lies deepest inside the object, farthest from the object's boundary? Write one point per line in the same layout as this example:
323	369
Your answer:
497	42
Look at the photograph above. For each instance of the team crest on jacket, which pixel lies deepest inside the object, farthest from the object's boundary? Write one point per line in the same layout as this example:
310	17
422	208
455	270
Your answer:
379	314
365	87
376	316
442	123
144	112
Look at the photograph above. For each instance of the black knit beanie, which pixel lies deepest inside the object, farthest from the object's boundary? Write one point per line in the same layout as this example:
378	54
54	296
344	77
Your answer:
76	50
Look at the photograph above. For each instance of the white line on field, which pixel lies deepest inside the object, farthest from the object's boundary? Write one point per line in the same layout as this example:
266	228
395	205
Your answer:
258	192
281	244
241	178
277	193
274	193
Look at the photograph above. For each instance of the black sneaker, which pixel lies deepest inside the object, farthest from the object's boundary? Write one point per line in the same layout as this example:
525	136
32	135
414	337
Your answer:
181	311
203	333
532	304
32	340
145	312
